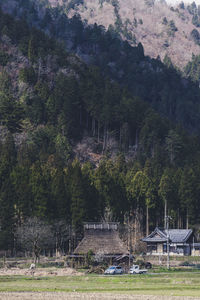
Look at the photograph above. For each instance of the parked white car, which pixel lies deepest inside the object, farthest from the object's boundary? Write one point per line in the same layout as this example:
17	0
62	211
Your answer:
112	270
135	269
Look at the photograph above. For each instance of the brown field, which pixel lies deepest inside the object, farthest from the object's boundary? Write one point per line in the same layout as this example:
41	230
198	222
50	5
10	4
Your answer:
85	296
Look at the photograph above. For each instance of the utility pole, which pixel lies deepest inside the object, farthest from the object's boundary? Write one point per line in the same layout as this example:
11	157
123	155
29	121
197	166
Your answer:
167	224
129	230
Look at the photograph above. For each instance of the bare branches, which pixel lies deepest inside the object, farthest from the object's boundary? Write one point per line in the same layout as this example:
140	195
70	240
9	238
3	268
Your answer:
35	235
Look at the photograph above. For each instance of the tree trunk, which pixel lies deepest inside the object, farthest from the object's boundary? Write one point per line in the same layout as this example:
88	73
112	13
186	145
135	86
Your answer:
107	135
136	140
39	68
120	135
165	215
98	131
178	225
187	219
93	127
80	115
152	150
87	121
147	221
135	230
104	137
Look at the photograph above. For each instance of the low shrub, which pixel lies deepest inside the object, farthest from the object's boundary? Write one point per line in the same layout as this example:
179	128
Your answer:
186	264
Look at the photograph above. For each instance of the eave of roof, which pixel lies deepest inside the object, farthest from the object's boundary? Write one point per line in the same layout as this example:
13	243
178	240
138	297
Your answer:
154	240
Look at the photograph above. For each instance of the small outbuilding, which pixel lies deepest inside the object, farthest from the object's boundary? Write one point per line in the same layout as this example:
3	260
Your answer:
180	241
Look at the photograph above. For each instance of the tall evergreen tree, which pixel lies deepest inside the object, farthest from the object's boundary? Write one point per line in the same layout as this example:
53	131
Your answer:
78	207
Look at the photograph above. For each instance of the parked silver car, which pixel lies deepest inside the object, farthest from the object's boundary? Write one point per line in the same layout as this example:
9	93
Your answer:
114	270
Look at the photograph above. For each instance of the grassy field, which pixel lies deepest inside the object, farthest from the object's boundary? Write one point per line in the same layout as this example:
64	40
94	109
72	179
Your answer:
166	284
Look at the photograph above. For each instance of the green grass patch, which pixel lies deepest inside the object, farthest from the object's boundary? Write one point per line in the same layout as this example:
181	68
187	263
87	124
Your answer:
171	283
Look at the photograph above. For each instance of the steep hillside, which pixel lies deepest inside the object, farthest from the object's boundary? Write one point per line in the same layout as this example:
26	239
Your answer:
162	29
157	83
59	116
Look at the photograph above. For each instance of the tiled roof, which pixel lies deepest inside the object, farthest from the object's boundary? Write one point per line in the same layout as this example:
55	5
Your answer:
179	235
175	235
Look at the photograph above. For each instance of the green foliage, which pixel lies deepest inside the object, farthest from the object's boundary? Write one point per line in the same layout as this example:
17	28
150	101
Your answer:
192	8
188	192
181	5
59	204
27	75
164	21
77	197
192	69
11	113
196	20
23	197
90	258
63	148
167	61
106	50
173	145
4	58
7	193
171	28
39	189
72	3
196	36
150	3
64	100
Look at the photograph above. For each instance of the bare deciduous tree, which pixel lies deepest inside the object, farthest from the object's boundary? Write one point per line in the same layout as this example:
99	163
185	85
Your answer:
62	233
35	235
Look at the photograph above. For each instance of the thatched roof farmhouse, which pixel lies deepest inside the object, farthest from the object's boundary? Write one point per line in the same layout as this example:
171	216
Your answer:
101	238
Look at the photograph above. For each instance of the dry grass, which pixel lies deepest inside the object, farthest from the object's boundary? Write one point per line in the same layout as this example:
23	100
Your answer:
79	296
40	272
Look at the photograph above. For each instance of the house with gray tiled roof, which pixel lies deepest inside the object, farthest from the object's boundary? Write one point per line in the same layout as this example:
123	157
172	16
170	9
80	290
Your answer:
180	241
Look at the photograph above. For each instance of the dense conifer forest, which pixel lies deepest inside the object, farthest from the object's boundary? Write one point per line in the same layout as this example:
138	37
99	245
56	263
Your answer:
141	114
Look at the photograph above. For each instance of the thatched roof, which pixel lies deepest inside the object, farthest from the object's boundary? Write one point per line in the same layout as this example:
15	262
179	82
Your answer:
101	240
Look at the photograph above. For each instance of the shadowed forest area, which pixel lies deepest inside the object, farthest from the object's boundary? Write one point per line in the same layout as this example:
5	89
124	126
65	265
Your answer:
114	138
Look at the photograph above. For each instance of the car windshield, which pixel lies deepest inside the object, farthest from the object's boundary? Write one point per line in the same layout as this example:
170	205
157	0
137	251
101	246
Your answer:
111	268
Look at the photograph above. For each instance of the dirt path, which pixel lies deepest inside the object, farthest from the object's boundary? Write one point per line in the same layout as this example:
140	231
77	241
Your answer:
83	296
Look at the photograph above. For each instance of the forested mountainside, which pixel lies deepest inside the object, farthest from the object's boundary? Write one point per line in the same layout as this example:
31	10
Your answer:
156	83
49	101
162	28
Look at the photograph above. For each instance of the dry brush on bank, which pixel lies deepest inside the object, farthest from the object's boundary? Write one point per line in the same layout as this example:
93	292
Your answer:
78	296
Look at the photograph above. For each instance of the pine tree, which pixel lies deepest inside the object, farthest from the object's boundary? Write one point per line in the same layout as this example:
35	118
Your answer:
7	193
31	49
59	207
188	194
23	205
166	191
40	190
78	209
11	113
